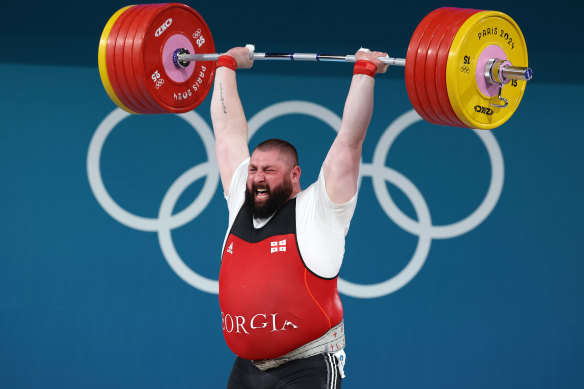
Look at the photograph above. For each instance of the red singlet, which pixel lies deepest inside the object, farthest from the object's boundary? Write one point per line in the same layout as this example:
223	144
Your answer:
270	302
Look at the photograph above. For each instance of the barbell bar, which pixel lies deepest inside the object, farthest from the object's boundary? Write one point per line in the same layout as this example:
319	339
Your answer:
464	67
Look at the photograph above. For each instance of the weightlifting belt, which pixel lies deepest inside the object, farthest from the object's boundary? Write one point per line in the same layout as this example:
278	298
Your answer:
331	342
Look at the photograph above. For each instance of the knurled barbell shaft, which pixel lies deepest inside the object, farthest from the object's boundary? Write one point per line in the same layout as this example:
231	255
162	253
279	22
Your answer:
292	57
509	72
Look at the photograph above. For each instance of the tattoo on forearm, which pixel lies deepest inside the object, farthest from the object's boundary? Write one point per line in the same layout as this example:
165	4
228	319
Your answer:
222	98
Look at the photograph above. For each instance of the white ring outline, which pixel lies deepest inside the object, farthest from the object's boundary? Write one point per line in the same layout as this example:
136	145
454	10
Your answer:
445	231
377	170
139	222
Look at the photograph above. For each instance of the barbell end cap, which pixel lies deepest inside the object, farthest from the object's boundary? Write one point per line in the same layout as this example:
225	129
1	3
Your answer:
528	74
176	58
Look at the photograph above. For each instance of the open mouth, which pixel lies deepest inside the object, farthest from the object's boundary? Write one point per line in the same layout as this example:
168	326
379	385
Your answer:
262	193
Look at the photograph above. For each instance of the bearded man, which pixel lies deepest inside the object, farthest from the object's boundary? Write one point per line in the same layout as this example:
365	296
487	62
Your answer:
280	309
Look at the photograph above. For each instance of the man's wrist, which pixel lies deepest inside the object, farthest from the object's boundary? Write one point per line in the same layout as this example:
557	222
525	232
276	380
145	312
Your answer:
365	67
227	61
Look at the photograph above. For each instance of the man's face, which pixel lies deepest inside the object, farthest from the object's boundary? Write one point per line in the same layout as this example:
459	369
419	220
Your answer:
269	183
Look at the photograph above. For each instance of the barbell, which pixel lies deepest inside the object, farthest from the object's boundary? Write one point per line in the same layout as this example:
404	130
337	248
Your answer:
463	67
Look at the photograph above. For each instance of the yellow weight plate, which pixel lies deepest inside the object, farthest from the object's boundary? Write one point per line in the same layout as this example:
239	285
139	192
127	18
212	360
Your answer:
102	62
481	33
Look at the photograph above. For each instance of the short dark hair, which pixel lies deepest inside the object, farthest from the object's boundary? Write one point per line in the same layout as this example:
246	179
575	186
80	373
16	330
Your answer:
284	147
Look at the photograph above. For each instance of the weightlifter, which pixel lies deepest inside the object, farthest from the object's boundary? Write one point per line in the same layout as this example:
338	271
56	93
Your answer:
280	308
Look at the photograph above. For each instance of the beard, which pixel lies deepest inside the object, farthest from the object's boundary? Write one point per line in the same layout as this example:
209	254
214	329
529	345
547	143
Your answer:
276	198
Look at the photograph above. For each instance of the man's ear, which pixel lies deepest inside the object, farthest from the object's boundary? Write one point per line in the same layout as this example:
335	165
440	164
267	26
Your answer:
295	173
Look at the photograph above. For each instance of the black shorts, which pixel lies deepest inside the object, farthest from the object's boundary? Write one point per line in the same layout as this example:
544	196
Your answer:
316	372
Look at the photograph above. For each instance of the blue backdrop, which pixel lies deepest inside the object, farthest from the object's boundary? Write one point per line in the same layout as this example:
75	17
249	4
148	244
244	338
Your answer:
463	265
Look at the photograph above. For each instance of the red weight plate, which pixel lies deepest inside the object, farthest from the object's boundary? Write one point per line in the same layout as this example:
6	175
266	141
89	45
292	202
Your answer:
442	60
119	61
411	59
410	63
111	61
136	53
430	66
130	76
420	64
101	54
175	89
128	73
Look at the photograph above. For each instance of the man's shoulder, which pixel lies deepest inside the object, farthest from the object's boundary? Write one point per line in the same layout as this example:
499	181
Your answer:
307	194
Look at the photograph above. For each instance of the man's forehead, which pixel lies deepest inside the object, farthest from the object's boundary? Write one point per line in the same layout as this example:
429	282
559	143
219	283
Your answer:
267	157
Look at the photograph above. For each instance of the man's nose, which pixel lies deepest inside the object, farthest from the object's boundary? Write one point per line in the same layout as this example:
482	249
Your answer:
259	177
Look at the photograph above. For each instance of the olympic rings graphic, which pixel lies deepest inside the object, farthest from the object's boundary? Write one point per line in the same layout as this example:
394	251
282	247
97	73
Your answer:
379	173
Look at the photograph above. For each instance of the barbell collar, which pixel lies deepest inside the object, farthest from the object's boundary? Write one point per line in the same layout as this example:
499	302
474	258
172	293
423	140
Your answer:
501	71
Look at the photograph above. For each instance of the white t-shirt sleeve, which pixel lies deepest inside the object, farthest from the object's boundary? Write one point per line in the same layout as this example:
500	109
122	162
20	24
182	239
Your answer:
321	227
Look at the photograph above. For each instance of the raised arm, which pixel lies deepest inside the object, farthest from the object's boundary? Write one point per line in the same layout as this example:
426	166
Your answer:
341	165
229	123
